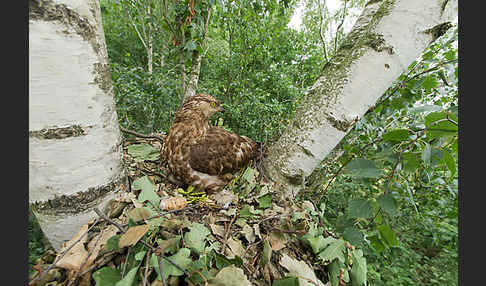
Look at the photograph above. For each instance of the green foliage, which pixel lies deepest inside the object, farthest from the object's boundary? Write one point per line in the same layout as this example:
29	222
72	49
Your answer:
395	191
37	244
396	182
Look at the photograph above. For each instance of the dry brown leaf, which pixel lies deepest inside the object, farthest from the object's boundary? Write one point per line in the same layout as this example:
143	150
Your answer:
96	245
133	235
235	248
249	233
256	228
139	214
75	257
277	240
217	229
224	198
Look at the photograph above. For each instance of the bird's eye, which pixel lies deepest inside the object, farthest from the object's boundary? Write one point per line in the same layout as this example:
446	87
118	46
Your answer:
213	104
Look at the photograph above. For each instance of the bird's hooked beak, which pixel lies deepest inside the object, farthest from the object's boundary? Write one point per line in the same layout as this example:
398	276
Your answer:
221	109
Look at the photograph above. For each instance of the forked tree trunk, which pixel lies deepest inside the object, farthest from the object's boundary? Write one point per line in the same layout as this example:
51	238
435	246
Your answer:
388	36
74	139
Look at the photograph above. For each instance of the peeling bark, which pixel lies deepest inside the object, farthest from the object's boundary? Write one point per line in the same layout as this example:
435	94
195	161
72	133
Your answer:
387	37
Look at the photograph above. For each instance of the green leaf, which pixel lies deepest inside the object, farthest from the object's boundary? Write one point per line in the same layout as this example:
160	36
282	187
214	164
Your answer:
429	83
129	279
449	161
425	108
397	135
353	235
195	239
362	168
287	281
265	201
107	276
319	243
441	124
433	117
360	208
181	258
249	175
388	203
358	271
141	152
333	251
267	252
248	211
112	243
388	235
451	54
376	243
190	46
334	272
140	255
411	161
148	190
222	261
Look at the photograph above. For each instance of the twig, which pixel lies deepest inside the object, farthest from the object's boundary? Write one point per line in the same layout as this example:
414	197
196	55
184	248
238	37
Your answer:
41	276
226	232
144	281
339	27
344	165
103	216
163	214
320	27
272	217
161	139
126	262
85	260
101	262
161	270
407	79
151	247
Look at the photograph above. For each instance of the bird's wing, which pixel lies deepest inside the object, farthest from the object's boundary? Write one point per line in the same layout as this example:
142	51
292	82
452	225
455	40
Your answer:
221	152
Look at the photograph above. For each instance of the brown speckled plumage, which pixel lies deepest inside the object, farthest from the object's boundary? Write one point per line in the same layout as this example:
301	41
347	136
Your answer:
202	155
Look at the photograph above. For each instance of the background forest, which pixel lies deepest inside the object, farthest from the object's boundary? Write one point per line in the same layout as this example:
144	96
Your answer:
390	187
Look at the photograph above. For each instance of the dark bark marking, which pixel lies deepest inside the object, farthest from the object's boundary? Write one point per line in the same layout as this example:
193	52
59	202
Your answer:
79	202
58	133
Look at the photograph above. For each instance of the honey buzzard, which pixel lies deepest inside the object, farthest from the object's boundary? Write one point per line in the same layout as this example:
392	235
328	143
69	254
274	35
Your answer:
202	155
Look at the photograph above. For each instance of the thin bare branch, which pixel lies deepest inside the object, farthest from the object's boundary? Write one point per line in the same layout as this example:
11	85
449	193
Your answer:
321	12
339	26
151	247
62	254
161	271
161	139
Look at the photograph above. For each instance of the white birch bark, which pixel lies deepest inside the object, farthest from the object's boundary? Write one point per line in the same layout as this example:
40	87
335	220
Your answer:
386	39
191	87
74	139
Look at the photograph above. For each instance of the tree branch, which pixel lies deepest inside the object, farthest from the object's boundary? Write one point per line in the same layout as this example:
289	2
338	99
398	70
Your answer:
321	11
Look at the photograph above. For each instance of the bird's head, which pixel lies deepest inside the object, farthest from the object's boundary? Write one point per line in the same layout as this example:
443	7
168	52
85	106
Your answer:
205	103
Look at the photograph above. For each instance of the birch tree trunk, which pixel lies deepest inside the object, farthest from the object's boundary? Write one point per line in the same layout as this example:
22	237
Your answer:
387	37
191	87
74	139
